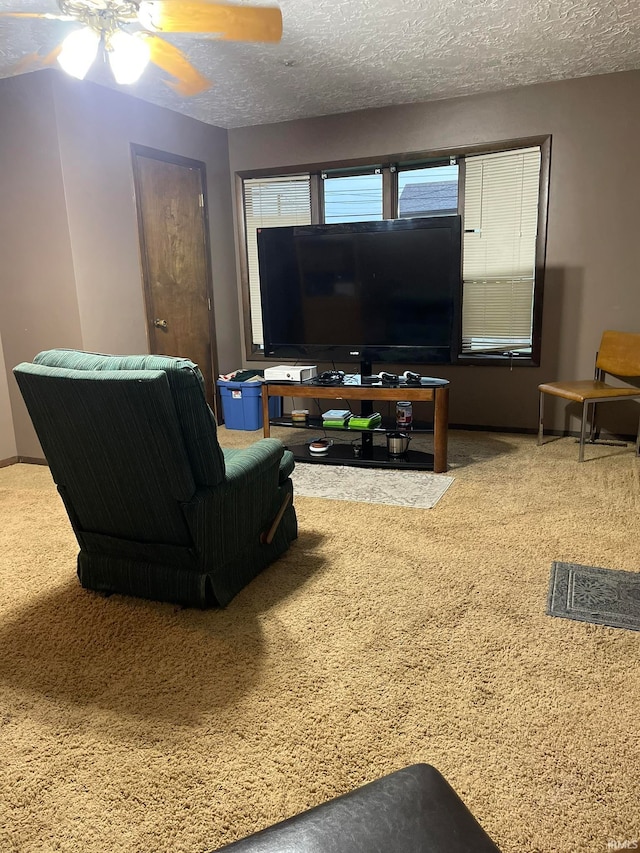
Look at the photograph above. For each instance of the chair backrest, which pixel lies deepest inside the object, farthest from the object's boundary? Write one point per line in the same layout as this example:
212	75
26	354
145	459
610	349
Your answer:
114	448
196	420
619	353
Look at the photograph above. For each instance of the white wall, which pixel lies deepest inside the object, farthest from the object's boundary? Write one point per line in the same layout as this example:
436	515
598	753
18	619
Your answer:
70	273
7	435
38	302
96	127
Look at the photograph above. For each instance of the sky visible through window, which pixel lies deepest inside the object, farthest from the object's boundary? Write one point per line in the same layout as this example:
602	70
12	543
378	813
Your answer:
421	192
355	198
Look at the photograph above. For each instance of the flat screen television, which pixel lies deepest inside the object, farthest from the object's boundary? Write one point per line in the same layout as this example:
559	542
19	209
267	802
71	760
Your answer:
385	291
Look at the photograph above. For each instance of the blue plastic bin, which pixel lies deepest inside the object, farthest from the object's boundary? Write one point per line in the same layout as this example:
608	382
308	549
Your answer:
242	404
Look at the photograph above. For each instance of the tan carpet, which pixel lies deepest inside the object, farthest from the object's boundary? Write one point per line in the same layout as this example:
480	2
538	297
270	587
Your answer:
385	636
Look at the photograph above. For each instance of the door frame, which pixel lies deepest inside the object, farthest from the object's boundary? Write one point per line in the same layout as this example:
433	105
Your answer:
178	160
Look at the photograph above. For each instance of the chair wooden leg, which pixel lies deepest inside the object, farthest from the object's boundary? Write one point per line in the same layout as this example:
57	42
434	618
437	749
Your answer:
638	441
583	430
540	416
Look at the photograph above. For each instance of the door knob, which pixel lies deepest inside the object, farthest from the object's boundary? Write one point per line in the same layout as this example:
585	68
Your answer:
160	324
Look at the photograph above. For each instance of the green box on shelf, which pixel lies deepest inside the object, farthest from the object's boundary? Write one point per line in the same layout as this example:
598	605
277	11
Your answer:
365	421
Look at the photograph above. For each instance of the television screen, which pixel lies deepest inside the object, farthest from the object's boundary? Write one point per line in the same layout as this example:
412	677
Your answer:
371	291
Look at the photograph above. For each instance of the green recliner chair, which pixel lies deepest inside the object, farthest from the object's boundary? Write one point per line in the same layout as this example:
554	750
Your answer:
159	509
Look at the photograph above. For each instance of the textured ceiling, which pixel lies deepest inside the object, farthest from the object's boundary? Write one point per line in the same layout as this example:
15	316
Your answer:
343	55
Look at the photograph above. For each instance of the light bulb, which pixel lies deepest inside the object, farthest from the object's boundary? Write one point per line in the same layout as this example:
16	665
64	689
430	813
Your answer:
148	15
79	50
128	56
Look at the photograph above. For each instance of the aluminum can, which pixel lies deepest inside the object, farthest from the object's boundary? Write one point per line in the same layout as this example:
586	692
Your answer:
404	415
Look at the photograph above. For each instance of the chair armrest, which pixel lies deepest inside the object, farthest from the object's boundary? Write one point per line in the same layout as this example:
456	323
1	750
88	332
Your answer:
229	519
253	461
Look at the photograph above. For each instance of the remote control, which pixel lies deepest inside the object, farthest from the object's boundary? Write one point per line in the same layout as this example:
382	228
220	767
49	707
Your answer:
410	376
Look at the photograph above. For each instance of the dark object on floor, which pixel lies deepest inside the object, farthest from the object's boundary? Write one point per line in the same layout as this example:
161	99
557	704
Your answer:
160	511
413	810
591	594
618	355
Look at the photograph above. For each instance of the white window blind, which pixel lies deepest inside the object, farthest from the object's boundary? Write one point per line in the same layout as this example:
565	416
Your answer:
271	202
499	250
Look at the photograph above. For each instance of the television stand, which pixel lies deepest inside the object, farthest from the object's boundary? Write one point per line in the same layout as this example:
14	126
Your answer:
429	390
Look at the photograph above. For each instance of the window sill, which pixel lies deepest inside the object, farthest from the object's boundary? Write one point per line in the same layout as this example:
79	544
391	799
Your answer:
477	359
498	360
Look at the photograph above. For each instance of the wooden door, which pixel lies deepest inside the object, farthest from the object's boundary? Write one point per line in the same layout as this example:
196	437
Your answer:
176	261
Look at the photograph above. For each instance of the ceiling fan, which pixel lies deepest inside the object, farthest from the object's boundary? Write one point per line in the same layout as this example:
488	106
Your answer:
130	34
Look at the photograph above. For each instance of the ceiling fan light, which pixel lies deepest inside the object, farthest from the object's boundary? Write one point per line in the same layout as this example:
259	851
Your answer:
128	56
148	15
79	50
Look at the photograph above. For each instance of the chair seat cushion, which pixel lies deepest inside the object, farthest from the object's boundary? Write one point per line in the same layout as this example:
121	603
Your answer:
587	389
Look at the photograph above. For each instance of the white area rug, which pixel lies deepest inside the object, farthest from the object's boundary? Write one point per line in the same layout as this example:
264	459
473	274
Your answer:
420	489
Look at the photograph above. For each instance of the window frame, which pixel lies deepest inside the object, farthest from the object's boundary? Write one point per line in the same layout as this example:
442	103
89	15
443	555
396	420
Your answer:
388	165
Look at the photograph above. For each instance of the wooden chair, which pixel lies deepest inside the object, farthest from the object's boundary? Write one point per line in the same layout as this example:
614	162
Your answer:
618	355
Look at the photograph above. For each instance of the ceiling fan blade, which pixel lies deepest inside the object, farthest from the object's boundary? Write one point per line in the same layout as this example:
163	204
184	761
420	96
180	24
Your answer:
46	15
188	80
232	22
33	61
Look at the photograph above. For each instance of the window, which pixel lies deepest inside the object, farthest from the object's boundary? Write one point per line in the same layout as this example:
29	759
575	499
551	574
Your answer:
431	191
353	198
270	202
499	250
499	196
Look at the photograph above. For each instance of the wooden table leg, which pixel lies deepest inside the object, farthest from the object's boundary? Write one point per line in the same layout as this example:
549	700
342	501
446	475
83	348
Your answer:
266	428
440	429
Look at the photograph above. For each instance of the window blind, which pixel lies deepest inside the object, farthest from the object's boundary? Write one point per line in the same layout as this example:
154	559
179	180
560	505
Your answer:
499	250
271	202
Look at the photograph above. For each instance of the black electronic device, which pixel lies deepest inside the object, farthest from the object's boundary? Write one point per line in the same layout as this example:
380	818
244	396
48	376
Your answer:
411	378
330	377
363	292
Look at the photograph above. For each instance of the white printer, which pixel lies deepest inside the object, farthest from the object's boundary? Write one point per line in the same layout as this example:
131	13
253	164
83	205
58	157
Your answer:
290	373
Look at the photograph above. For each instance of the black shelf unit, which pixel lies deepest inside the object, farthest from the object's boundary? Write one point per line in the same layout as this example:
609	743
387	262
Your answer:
363	453
371	398
343	454
387	425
